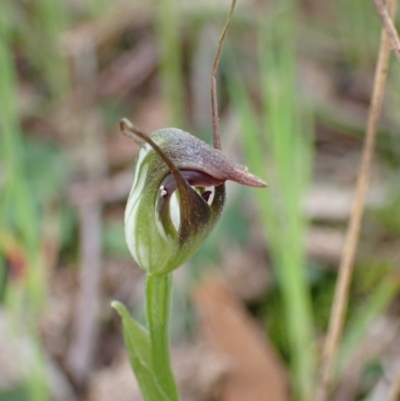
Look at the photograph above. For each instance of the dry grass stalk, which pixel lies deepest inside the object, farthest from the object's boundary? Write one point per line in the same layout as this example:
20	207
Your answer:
347	261
395	385
81	353
389	26
214	100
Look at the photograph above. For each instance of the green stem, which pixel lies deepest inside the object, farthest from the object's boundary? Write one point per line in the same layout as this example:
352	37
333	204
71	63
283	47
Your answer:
158	296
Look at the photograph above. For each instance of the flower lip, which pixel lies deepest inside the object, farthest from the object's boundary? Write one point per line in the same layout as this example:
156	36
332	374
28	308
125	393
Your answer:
189	197
194	178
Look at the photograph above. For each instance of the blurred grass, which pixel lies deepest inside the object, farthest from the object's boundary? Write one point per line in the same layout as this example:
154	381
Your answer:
284	148
360	321
171	74
359	28
50	21
16	200
22	217
28	186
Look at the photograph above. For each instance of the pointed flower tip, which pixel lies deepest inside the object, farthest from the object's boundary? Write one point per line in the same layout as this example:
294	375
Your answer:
242	176
255	181
260	183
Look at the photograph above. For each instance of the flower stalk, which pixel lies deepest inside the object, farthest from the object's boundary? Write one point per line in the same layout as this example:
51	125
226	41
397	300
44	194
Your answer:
158	296
176	199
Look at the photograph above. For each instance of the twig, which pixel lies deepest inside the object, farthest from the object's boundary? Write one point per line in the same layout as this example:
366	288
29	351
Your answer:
214	99
80	356
395	385
346	266
389	26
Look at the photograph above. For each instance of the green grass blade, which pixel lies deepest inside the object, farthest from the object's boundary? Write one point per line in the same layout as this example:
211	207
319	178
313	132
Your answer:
17	203
285	148
285	244
137	342
359	324
52	19
172	83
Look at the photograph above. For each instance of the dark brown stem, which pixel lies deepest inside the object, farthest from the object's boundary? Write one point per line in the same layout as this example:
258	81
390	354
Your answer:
133	132
214	99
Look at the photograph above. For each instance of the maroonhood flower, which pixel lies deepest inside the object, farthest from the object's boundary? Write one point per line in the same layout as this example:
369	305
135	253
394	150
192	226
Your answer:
177	196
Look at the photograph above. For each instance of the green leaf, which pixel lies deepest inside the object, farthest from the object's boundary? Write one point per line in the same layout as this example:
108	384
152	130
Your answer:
137	342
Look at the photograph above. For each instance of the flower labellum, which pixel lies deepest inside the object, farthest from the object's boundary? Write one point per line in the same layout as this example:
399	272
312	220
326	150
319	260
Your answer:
177	196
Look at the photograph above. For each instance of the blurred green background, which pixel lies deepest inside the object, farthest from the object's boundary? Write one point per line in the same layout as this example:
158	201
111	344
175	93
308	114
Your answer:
294	87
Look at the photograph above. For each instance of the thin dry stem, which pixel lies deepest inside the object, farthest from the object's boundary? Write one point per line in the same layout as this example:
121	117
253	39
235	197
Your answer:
346	266
389	26
131	131
395	385
82	351
214	99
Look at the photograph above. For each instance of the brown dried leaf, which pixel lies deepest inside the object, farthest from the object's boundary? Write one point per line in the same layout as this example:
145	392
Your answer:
256	372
